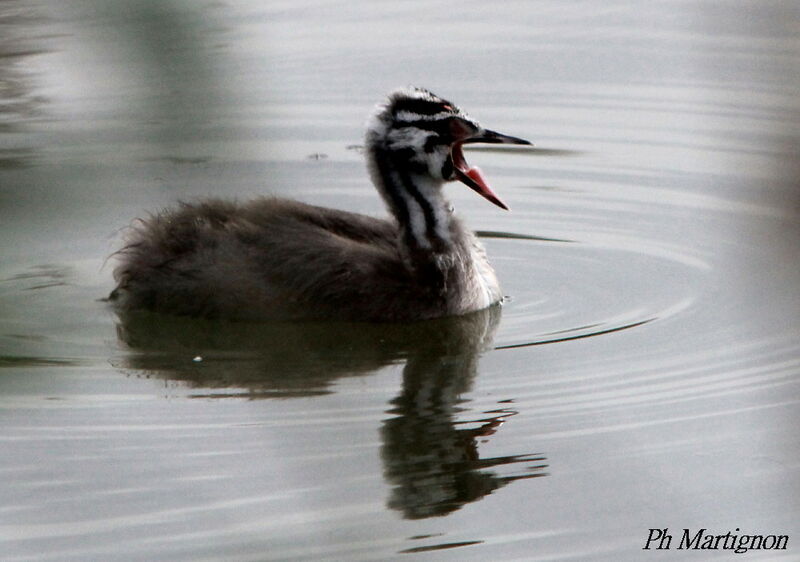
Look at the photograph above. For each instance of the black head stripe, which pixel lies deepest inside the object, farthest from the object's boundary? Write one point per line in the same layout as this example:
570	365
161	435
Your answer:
383	161
421	106
438	126
432	142
448	168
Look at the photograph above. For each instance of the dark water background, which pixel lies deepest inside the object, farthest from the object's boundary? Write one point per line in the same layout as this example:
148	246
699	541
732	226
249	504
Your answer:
643	373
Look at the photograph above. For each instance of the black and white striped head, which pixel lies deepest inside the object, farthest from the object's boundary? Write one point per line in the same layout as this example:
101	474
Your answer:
416	138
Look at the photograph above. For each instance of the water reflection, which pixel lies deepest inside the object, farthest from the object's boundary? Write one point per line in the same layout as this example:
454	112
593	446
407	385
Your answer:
432	458
19	104
282	360
430	453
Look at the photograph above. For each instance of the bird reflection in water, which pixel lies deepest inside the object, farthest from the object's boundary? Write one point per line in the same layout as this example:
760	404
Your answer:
430	453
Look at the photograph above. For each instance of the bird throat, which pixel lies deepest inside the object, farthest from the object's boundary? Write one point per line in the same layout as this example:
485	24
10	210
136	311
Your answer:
428	227
417	203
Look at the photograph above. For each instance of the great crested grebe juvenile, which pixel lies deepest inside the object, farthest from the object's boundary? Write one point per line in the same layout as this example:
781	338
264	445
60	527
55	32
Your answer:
273	258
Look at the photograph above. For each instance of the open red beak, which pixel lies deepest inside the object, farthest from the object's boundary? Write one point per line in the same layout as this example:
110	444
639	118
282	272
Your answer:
472	177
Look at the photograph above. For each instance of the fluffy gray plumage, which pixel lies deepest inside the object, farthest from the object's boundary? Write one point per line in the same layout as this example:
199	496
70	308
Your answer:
273	258
276	258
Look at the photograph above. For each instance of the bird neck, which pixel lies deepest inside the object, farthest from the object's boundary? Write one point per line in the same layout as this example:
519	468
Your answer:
440	253
417	202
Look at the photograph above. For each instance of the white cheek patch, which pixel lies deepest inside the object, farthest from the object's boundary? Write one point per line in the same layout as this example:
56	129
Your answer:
435	161
407	137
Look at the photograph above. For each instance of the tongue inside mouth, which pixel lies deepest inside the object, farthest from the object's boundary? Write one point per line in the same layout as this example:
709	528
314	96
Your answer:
473	178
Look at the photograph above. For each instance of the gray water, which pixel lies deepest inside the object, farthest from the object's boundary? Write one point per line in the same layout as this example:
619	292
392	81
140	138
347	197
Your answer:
642	373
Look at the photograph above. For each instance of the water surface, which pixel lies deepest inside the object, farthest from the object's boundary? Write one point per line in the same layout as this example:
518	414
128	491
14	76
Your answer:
643	371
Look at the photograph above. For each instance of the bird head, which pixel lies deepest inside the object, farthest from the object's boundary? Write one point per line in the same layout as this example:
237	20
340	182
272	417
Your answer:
423	134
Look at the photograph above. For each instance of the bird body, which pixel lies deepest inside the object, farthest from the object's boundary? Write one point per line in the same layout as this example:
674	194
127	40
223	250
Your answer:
272	258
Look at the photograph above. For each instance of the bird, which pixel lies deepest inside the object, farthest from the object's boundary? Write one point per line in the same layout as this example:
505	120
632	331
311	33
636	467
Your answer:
272	258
